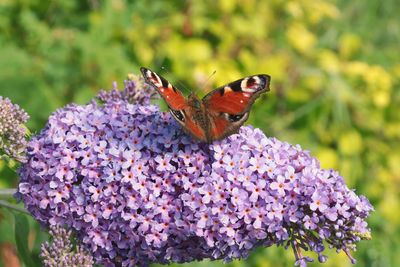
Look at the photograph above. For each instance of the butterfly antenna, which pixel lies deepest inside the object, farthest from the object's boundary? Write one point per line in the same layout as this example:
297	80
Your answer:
181	85
208	79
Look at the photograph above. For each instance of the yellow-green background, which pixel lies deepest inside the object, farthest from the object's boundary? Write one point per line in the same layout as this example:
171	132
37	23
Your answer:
335	68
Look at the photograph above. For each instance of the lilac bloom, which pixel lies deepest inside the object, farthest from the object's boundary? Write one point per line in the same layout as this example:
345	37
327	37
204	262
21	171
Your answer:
256	190
319	202
107	211
290	174
246	215
145	223
276	211
259	218
87	157
309	222
141	185
204	220
69	158
258	164
137	190
95	191
64	173
294	214
156	187
130	157
239	197
194	201
219	153
207	192
163	210
92	215
185	156
156	239
228	230
228	162
331	214
128	176
343	209
85	141
62	252
100	148
280	185
58	195
163	163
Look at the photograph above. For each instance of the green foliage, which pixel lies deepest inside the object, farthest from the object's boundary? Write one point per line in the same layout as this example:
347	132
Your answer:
21	238
334	67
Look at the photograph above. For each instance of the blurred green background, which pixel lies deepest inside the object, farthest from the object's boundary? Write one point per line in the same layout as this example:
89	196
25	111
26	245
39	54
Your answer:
335	68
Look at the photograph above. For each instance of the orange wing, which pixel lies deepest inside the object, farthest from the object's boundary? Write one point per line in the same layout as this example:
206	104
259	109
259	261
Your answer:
223	125
172	96
238	96
228	106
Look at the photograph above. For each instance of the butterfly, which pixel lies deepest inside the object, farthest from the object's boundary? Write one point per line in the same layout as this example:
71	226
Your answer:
219	114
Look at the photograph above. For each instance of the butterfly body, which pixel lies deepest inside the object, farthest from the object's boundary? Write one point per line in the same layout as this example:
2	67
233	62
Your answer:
219	114
195	113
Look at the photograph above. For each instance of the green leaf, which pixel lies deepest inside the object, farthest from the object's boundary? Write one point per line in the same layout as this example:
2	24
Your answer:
21	239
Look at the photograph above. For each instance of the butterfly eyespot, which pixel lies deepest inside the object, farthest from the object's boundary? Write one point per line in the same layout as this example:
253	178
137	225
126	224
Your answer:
233	118
178	114
251	81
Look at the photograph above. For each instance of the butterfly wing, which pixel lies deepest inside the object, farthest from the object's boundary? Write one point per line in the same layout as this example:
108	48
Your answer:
228	106
223	126
177	103
237	97
172	96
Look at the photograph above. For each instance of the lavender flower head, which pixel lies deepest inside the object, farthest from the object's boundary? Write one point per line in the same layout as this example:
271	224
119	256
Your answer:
138	190
61	253
12	131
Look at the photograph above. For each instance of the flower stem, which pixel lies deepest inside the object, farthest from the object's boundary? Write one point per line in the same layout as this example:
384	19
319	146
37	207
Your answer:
7	192
6	204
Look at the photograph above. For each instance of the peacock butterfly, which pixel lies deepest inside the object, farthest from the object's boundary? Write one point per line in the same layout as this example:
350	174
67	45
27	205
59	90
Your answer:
219	114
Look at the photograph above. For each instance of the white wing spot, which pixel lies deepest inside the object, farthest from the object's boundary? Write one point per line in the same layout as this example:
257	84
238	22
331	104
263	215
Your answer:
167	96
162	90
243	84
257	79
241	101
246	95
248	90
157	81
227	89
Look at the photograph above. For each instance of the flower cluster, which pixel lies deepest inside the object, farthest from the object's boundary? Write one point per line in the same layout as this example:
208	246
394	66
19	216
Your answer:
137	190
12	131
135	91
60	252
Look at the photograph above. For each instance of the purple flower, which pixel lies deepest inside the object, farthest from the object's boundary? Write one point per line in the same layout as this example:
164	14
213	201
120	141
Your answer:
280	185
164	163
61	252
12	131
319	202
138	190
